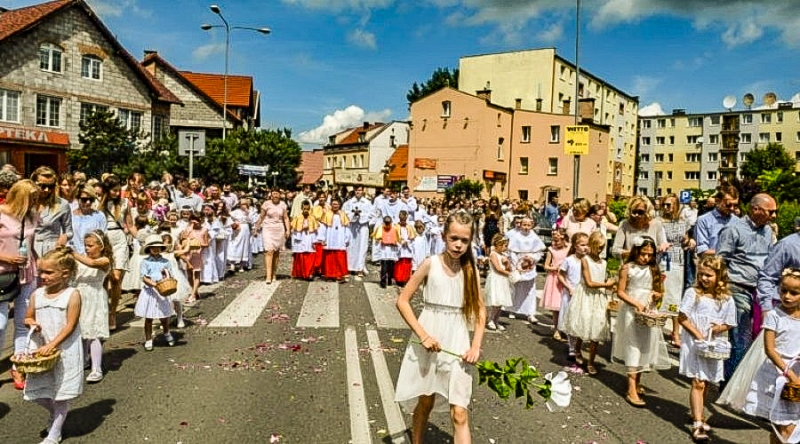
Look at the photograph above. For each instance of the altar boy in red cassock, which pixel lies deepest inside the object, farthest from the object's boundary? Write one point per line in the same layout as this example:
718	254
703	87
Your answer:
402	270
334	236
304	234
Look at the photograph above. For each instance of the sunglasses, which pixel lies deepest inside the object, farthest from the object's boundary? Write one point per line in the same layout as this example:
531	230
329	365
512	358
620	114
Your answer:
46	186
667	205
638	212
731	205
86	199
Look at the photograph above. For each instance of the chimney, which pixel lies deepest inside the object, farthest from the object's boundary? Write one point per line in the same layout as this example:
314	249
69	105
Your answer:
366	126
485	93
517	103
586	109
148	52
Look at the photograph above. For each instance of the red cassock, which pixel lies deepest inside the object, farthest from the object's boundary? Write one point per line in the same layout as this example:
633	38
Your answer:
303	265
317	258
402	270
334	264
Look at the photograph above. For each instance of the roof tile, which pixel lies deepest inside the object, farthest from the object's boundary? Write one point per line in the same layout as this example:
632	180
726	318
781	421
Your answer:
398	165
311	163
240	88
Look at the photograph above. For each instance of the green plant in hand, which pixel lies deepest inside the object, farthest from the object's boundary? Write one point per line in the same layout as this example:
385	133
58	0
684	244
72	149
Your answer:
504	380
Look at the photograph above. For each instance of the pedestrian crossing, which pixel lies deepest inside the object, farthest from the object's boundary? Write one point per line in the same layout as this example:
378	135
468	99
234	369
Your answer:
320	305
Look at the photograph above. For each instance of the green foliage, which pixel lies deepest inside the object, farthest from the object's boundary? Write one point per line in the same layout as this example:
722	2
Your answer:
107	144
618	207
439	79
701	196
769	158
156	158
787	211
504	380
464	189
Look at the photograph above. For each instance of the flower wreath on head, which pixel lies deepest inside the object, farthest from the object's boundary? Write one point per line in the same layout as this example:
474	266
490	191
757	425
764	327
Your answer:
638	241
791	271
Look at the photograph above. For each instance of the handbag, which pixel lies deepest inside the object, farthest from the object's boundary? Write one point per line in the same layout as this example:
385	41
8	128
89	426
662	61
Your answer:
9	282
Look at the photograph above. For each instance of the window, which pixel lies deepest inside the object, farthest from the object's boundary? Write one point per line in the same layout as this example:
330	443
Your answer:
745	138
659	158
672	123
660	140
160	126
48	111
713	139
747	118
523	165
362	137
659	175
763	137
692	140
670	158
714	120
779	116
50	57
691	175
343	162
526	134
645	141
9	106
742	156
500	141
646	123
555	133
713	157
644	158
779	137
693	157
87	109
621	109
328	163
353	164
446	109
361	161
552	166
644	175
797	156
695	121
662	123
669	177
766	118
392	142
797	137
672	140
643	191
711	175
132	120
91	67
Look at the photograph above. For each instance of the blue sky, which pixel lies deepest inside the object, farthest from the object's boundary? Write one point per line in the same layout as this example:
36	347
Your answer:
330	64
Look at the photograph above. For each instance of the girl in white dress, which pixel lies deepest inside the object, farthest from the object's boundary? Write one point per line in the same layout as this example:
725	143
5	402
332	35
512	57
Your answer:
452	300
239	254
639	347
525	245
781	332
569	275
184	292
420	246
53	311
497	289
92	271
707	306
587	318
210	274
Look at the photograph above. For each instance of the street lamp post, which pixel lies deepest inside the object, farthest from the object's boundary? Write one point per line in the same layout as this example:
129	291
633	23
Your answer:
275	175
228	28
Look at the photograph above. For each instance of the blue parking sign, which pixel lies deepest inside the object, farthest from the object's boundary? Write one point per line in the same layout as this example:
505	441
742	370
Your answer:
685	197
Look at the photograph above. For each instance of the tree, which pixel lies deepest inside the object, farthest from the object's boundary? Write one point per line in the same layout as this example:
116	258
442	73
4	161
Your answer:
771	157
464	189
439	79
107	144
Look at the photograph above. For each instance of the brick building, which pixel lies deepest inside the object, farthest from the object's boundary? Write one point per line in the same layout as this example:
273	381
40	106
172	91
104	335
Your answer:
59	64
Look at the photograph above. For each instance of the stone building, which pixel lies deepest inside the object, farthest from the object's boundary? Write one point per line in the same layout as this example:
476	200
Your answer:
59	64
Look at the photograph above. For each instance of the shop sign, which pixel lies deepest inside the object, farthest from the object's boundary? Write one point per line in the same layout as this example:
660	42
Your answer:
32	135
445	182
494	176
359	178
577	140
425	164
427	183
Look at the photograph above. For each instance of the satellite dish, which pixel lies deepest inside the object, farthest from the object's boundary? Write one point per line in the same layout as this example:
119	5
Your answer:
748	100
770	98
729	102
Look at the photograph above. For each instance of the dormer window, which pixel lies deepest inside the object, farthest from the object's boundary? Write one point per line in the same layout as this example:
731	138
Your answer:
362	137
446	108
50	57
331	140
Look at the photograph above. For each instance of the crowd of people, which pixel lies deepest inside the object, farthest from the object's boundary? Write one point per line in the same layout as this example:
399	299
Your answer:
71	245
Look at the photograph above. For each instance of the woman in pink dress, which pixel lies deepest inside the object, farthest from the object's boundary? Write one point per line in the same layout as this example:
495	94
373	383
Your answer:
551	297
274	223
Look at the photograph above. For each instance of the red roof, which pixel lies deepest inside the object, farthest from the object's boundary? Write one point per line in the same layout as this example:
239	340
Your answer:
240	88
398	165
310	169
355	133
19	20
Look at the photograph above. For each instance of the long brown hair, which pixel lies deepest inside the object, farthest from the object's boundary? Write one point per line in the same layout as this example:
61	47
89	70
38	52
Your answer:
472	297
105	245
51	201
109	183
19	201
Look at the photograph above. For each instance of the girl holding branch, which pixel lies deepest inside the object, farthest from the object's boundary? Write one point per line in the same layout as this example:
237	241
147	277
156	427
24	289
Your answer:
452	299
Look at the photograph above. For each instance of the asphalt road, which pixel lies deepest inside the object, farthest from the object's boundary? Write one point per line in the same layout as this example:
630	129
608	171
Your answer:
302	362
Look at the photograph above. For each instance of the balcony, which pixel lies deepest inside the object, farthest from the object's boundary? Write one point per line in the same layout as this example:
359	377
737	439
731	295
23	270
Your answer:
730	128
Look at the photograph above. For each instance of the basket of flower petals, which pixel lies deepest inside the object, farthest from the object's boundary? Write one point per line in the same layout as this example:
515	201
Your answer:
650	318
35	362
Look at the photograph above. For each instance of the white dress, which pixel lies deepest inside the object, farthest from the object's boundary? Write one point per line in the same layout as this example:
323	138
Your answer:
421	250
587	314
65	380
210	273
151	304
524	292
425	373
762	388
497	289
639	347
184	289
239	244
571	266
221	247
94	302
132	281
702	312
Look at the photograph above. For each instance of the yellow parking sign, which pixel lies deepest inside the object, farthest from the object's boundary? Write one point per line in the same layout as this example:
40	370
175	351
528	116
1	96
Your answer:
577	139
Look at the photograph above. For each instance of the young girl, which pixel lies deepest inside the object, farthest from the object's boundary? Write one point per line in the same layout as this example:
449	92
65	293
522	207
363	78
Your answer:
497	290
569	275
551	297
184	289
586	315
705	307
197	237
53	311
639	347
304	234
452	300
132	281
420	246
435	236
213	227
151	304
92	270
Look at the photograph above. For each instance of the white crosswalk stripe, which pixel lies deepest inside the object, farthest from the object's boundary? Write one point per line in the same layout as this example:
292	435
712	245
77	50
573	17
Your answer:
320	306
383	304
247	307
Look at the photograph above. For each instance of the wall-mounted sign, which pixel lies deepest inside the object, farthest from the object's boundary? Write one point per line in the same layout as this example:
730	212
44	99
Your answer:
425	164
494	175
32	135
345	177
427	183
576	141
445	182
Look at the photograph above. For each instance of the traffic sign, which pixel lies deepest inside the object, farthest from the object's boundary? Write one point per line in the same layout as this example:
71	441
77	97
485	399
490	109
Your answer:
685	197
253	170
192	141
577	140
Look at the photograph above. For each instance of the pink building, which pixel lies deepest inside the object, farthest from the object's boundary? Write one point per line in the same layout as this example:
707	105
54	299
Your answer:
516	153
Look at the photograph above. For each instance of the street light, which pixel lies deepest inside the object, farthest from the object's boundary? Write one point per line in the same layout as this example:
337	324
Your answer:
228	28
275	175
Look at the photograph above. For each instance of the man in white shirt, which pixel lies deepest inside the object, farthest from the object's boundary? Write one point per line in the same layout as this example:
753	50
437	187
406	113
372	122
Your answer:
689	213
297	203
411	203
358	210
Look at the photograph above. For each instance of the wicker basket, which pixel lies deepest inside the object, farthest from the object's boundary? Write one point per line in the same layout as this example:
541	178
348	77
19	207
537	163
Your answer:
714	348
167	286
791	392
35	363
650	319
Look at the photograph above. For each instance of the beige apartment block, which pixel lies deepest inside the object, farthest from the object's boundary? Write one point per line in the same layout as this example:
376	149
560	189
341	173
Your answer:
456	135
541	80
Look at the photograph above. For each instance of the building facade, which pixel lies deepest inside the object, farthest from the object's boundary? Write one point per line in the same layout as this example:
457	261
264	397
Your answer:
540	80
60	64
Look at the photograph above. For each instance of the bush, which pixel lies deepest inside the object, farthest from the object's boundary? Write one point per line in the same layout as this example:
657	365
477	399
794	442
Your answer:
618	207
787	211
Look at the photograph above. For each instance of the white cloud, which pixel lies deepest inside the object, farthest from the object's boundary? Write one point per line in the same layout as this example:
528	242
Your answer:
115	8
341	119
653	109
552	33
205	51
362	39
644	85
341	5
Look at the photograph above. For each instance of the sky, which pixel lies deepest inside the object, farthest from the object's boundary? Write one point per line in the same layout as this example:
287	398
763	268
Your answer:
333	64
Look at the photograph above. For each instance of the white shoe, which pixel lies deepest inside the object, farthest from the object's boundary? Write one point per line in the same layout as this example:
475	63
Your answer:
94	376
181	324
491	325
170	340
511	316
148	345
532	320
51	441
500	328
